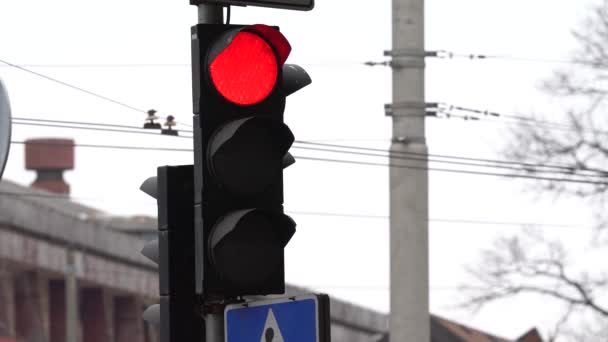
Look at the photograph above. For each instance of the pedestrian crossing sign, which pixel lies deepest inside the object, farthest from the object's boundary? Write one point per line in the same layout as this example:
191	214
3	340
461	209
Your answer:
290	319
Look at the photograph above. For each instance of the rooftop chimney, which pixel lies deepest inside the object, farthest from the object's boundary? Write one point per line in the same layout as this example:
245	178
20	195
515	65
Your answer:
49	158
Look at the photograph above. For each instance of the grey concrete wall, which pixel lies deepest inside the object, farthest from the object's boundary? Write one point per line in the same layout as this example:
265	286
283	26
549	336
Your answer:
59	220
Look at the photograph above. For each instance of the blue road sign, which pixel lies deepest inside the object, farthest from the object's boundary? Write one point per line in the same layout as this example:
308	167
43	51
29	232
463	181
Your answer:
291	319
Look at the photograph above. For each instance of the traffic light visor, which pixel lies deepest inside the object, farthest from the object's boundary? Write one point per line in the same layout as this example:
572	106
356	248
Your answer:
246	69
246	155
246	246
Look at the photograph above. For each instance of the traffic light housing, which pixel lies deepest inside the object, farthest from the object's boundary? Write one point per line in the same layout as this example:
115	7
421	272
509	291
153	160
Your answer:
179	311
241	144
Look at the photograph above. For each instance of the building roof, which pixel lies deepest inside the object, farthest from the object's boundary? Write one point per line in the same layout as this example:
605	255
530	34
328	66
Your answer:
446	331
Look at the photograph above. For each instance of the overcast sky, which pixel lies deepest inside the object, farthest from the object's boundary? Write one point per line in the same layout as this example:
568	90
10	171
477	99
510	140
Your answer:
347	257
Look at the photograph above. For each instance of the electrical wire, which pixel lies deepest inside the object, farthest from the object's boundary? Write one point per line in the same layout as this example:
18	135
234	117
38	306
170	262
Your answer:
94	124
447	108
475	164
116	147
504	223
438	220
479	173
444	54
101	129
167	65
404	153
393	155
399	166
447	114
65	84
102	65
105	98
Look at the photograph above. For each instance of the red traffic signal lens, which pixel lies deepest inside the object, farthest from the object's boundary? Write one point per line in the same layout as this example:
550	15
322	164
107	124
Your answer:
246	71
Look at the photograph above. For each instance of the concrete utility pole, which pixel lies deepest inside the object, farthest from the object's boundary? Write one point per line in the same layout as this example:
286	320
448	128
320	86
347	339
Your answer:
410	317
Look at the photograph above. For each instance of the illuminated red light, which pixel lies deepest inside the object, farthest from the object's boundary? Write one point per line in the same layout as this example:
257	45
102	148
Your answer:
246	71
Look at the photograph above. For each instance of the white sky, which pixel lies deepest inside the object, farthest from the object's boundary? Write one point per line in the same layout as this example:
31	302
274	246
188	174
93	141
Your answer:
346	257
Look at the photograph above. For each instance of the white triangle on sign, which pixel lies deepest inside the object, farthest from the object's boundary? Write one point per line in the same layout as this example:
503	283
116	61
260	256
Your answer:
271	332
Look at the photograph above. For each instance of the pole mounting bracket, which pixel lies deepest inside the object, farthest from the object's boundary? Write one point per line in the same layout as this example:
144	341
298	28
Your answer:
411	108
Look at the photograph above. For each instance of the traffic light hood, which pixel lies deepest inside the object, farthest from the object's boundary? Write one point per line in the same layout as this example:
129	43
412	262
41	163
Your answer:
5	127
246	246
150	187
284	226
294	79
257	145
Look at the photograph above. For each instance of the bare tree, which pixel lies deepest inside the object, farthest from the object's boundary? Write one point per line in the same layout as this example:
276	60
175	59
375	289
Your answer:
579	144
531	263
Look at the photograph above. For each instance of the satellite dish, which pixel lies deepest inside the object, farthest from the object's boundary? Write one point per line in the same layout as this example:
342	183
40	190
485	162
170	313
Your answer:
5	127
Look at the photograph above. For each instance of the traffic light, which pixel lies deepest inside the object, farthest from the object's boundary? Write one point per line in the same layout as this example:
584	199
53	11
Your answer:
241	144
179	310
5	127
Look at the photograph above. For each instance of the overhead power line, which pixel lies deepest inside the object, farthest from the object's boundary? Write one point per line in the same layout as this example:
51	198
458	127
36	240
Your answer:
77	88
518	167
113	147
445	54
351	150
105	65
568	168
105	98
478	114
135	130
438	220
353	162
163	65
93	124
479	173
391	156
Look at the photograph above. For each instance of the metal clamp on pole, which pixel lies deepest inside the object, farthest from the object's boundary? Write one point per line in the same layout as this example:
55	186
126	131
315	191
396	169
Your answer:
408	58
410	108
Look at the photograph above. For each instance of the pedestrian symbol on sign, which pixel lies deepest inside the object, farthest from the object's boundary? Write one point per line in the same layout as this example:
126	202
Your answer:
271	332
